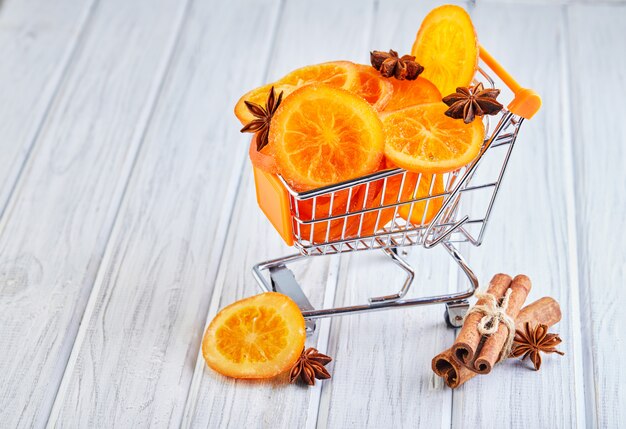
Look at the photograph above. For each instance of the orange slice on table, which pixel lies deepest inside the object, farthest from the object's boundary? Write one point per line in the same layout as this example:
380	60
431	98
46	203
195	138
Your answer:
423	139
407	93
257	337
322	135
338	74
374	88
447	47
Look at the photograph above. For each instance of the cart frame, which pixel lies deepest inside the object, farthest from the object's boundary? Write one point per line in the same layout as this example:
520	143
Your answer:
454	222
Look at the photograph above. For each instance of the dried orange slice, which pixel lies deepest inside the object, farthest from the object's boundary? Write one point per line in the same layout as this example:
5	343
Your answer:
422	139
259	96
257	337
408	93
447	47
322	135
395	191
376	89
325	231
422	212
338	74
260	159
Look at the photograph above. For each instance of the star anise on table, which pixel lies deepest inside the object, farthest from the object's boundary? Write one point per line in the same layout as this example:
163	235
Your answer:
261	125
531	342
390	65
310	365
467	103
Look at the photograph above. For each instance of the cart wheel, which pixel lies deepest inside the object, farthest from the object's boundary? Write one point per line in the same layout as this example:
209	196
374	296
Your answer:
455	312
446	318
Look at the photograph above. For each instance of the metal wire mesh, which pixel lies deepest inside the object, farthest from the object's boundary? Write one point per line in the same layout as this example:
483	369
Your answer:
396	208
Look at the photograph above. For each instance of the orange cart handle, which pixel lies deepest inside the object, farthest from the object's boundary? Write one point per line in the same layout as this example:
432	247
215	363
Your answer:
526	102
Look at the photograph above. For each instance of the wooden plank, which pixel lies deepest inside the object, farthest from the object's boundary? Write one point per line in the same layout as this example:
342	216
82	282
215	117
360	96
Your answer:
553	2
309	32
56	227
531	230
37	40
134	357
381	373
595	35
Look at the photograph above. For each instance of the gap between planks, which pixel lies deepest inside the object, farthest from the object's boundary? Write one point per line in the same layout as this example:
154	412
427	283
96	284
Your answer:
7	196
137	142
585	414
194	386
200	375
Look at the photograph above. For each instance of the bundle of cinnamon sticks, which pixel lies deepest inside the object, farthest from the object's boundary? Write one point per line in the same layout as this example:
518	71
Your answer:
475	351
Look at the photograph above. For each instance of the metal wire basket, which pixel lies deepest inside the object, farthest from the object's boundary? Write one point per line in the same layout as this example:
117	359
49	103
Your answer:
395	208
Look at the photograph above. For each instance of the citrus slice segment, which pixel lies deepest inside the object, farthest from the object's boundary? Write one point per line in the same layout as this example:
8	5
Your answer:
422	139
407	93
374	88
257	337
447	48
321	135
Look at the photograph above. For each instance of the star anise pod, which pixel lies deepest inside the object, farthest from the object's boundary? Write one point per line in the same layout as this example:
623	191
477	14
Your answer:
261	125
531	342
310	365
466	103
389	64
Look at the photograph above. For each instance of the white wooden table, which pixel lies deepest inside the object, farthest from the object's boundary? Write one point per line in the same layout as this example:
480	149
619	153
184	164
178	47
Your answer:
128	218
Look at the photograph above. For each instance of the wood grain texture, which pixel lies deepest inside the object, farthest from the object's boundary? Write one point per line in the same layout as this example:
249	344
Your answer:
55	228
598	147
37	40
381	375
531	228
305	31
553	2
135	354
128	218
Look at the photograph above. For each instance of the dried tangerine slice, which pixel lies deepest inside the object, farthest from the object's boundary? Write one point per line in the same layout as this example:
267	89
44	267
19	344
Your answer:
338	74
259	96
407	93
376	89
447	47
257	337
422	139
422	212
321	135
342	203
397	191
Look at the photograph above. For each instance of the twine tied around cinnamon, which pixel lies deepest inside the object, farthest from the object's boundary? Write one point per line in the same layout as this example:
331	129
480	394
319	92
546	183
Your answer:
494	314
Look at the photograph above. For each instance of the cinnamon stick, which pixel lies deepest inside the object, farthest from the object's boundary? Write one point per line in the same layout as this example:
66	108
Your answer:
545	310
450	369
492	347
466	345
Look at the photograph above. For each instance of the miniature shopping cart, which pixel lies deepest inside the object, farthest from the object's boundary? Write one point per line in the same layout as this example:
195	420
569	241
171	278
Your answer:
464	208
